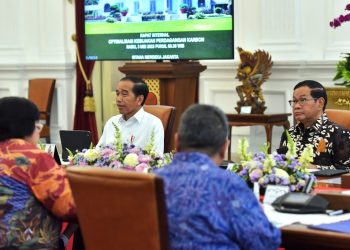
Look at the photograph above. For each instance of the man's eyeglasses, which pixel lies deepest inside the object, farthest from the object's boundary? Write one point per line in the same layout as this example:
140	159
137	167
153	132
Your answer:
301	101
39	126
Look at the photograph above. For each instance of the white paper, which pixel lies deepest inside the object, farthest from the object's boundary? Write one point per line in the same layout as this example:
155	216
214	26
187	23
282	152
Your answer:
273	192
284	219
331	181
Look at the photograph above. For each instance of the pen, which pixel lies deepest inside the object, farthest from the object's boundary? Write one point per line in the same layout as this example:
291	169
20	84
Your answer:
336	212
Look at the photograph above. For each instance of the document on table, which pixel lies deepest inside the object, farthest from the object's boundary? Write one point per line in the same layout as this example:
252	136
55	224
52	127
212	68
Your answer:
341	227
284	219
331	181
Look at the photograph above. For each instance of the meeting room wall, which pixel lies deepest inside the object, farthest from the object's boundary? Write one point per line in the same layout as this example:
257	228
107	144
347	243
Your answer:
297	35
36	43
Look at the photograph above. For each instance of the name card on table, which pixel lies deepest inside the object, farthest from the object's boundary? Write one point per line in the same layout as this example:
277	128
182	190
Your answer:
273	192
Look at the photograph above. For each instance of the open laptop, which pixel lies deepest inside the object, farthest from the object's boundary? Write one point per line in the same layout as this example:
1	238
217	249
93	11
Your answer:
74	140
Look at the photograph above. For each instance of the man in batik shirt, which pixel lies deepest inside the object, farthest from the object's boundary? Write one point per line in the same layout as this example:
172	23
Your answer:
331	142
208	207
34	192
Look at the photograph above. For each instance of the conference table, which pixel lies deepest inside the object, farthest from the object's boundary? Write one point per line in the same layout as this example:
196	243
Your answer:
298	236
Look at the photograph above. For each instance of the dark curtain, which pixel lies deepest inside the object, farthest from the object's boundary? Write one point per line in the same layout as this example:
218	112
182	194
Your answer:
83	120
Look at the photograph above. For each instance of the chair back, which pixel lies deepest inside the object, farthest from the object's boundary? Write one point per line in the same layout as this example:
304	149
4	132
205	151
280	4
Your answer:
40	91
119	209
340	117
167	115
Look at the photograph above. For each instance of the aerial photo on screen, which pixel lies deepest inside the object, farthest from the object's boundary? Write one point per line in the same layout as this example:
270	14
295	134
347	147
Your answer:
158	29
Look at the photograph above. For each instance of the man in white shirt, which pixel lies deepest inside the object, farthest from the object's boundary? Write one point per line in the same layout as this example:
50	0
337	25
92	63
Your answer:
136	125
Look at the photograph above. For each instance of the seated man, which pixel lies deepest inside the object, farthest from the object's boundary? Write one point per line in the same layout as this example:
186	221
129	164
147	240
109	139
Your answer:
136	125
208	207
331	143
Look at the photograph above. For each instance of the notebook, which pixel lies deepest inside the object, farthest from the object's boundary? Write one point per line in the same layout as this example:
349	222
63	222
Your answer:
74	140
330	172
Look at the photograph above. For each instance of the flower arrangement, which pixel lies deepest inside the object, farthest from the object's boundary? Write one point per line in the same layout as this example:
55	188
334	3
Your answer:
120	155
343	66
336	22
343	71
278	169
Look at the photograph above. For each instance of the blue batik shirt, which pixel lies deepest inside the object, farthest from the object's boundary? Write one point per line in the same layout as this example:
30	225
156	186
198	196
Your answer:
210	208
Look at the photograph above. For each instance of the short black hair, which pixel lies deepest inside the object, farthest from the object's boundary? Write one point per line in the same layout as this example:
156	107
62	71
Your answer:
17	117
317	90
140	87
203	128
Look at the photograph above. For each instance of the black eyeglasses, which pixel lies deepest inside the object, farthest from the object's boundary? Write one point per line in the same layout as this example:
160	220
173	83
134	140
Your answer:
301	101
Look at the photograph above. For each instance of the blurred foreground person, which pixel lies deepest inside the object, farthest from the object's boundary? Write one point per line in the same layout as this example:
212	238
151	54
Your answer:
208	207
34	190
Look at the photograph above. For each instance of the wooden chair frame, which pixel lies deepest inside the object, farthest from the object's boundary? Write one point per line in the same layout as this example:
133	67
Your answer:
40	91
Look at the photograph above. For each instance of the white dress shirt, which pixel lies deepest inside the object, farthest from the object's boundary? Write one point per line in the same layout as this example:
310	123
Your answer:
137	128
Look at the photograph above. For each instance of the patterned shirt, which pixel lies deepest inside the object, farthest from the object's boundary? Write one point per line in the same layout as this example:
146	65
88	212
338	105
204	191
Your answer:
331	143
34	192
210	208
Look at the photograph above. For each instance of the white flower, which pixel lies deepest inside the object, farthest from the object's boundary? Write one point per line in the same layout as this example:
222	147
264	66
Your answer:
243	146
131	160
281	173
91	155
269	162
292	148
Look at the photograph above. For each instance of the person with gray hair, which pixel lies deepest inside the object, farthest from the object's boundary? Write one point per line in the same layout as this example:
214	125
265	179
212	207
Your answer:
208	207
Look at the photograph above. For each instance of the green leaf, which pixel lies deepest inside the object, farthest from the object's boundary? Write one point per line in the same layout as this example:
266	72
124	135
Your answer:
338	75
346	75
340	83
70	153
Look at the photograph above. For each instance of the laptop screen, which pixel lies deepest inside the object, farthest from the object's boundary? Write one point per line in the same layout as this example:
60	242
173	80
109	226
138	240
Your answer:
74	140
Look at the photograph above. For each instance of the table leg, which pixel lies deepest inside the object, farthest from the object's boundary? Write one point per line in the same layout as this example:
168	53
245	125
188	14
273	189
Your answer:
229	144
268	130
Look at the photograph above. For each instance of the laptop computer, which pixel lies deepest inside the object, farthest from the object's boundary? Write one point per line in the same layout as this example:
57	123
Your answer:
74	140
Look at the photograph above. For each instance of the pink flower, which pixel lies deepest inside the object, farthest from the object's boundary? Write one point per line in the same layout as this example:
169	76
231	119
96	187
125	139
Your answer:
341	19
116	164
107	152
142	168
144	158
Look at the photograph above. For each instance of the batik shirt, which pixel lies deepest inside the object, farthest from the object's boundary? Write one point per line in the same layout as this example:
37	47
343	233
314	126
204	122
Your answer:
210	208
330	142
34	192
